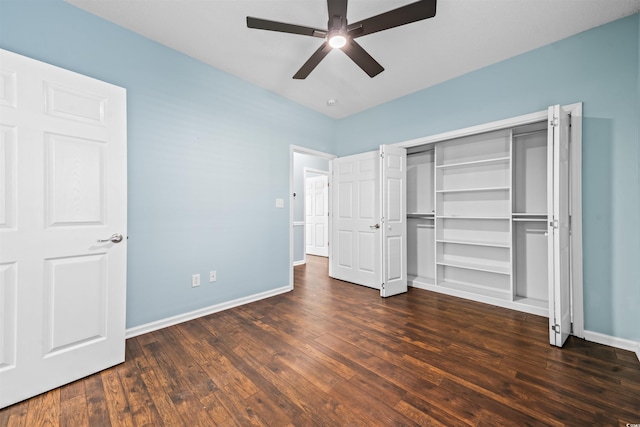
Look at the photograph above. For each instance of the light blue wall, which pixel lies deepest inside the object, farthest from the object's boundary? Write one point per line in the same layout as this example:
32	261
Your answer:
208	155
599	67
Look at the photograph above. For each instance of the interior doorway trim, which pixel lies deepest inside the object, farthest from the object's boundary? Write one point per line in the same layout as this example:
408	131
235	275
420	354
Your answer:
293	149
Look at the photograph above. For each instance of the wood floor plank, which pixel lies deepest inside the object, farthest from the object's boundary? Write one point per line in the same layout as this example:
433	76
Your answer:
44	410
116	399
73	407
331	353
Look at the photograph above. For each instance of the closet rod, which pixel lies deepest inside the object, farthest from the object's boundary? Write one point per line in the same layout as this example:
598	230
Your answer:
420	152
515	135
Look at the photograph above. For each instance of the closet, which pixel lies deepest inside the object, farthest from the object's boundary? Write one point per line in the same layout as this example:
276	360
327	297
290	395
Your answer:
488	216
493	214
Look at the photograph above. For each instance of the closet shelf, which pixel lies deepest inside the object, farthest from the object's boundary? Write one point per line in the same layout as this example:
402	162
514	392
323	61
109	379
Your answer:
505	245
471	217
528	214
421	215
501	294
517	219
471	190
476	267
495	160
531	302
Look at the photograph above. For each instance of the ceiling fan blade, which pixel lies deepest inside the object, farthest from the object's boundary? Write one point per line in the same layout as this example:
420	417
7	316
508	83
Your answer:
313	61
264	24
337	8
394	18
362	58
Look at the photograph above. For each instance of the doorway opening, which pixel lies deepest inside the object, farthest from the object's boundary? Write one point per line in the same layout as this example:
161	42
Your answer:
312	162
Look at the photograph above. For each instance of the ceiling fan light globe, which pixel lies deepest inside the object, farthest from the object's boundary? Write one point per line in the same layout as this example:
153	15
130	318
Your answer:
337	41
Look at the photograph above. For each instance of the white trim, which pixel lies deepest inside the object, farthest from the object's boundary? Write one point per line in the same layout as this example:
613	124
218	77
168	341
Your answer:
302	150
174	320
612	341
316	171
577	297
298	223
474	130
310	151
301	262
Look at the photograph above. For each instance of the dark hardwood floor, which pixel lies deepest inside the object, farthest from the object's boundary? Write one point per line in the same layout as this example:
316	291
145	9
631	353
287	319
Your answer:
336	354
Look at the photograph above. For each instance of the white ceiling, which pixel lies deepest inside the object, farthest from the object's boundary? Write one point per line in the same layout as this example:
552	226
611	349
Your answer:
465	35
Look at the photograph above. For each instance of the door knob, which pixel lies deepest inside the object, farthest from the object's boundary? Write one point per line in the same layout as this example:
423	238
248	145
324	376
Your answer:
115	238
375	226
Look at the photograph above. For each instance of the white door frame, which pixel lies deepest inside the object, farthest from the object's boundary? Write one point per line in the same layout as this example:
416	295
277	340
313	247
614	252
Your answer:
303	150
304	206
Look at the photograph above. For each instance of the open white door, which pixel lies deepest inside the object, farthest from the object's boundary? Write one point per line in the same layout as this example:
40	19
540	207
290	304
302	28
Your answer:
316	221
355	232
63	226
394	220
559	244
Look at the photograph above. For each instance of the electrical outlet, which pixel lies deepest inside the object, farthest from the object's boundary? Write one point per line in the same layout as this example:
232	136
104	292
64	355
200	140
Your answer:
195	280
213	276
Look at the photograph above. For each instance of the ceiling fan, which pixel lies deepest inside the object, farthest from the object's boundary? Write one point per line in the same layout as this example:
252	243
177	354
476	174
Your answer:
341	35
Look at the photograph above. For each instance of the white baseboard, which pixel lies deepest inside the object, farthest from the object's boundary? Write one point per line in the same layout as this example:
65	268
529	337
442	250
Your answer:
622	343
174	320
301	262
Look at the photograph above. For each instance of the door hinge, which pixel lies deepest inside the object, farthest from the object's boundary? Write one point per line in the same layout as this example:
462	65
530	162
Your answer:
556	328
382	285
553	223
553	122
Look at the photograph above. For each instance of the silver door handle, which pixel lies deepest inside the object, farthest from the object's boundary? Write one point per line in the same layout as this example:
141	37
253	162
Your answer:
375	226
115	238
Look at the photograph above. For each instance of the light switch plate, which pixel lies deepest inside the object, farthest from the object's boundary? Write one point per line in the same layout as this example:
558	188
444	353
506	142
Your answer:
279	203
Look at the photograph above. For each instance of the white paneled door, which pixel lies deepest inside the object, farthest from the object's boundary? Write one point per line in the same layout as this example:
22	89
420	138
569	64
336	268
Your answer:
63	226
394	220
369	226
355	241
559	228
316	220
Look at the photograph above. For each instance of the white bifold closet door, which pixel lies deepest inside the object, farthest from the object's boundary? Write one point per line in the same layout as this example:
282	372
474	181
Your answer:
368	244
63	226
559	227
